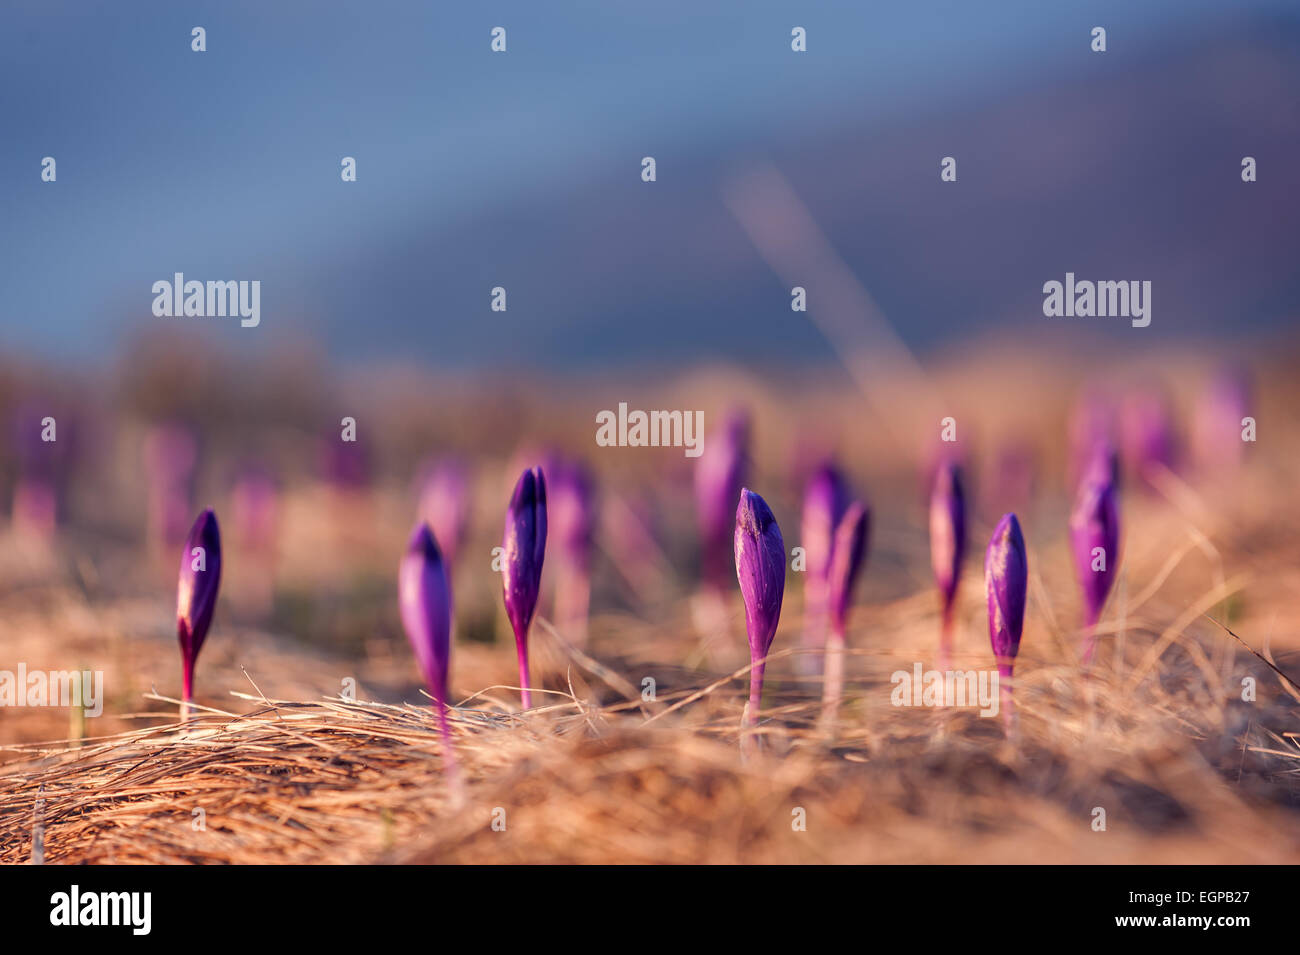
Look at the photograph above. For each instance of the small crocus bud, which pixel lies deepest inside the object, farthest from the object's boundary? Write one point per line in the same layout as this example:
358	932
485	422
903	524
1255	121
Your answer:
424	596
572	518
947	545
196	595
444	505
1006	580
1094	539
848	557
524	547
824	501
760	569
719	475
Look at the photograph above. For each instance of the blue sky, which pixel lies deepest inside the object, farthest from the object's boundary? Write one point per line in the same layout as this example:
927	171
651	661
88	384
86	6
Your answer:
225	164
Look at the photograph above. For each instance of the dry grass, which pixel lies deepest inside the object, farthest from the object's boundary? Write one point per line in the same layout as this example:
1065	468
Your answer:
1181	778
1157	734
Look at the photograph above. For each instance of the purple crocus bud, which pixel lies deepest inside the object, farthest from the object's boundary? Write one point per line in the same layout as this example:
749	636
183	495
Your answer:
1006	580
760	569
444	504
848	557
196	595
1094	539
572	529
523	549
425	600
719	475
572	513
424	596
947	545
825	500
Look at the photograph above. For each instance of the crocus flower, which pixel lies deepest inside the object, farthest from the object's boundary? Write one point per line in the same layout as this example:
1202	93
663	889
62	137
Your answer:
43	440
572	519
719	475
1091	423
1006	581
848	556
524	547
255	503
196	595
424	595
170	454
760	569
824	502
1220	410
1094	539
947	546
444	505
1148	437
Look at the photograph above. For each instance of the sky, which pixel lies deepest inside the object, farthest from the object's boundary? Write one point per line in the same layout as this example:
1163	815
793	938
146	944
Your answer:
225	164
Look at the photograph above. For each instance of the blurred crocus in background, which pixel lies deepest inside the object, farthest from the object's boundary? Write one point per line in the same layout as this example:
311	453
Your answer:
825	500
1219	424
171	452
1091	423
719	476
760	570
1094	541
42	440
1147	431
523	550
254	511
848	557
947	547
445	505
424	596
1006	581
571	516
196	597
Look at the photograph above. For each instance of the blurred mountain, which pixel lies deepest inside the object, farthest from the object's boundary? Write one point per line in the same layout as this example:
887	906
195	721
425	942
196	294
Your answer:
1125	165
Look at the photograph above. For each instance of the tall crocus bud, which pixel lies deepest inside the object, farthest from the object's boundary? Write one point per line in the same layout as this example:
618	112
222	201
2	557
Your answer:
947	546
444	505
424	595
1094	539
760	569
572	517
196	596
825	500
719	475
524	547
1006	580
848	556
